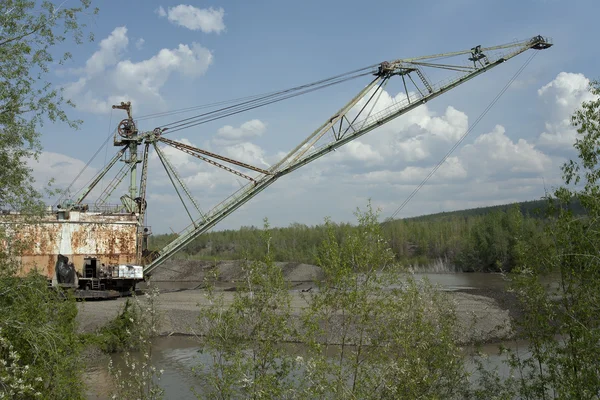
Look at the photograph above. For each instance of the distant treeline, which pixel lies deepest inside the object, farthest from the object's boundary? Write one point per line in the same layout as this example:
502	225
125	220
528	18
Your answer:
532	208
479	239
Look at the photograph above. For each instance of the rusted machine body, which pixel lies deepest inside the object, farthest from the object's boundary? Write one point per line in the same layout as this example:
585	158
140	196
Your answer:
109	239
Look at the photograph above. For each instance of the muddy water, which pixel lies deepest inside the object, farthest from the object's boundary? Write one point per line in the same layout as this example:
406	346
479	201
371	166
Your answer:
449	281
465	281
177	355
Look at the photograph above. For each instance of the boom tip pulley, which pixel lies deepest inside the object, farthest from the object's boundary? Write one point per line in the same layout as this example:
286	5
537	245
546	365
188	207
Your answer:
540	43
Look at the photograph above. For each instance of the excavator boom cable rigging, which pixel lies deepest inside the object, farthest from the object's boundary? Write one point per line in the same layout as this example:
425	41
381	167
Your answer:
362	114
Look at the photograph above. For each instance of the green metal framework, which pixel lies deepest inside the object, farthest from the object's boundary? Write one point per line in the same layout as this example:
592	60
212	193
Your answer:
358	117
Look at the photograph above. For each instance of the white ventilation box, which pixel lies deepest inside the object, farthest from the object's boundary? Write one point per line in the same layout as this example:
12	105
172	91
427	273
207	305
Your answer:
131	271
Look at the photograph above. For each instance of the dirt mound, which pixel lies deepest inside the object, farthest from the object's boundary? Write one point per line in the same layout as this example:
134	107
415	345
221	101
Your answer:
228	271
181	270
296	272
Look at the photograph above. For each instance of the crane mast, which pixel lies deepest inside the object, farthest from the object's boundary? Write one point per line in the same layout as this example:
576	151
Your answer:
345	127
356	118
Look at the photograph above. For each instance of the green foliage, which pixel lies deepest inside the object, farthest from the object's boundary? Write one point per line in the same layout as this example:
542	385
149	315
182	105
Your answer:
30	32
243	341
467	240
346	353
557	283
38	336
16	380
414	356
493	241
532	208
132	331
116	336
39	347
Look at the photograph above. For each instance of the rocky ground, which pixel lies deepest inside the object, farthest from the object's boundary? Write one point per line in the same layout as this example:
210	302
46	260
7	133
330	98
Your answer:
483	316
227	271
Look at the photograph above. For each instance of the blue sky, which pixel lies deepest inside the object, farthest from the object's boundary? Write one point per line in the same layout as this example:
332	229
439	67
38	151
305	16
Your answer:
170	55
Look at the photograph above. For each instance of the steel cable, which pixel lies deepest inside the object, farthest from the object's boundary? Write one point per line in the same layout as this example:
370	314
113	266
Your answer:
248	99
218	114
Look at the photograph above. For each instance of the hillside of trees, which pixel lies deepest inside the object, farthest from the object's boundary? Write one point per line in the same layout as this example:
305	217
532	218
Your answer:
479	239
532	208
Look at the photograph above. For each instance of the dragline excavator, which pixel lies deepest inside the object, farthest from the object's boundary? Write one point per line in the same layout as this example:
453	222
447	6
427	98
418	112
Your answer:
359	116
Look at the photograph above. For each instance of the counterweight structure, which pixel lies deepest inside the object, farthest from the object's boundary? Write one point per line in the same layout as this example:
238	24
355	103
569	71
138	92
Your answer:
360	115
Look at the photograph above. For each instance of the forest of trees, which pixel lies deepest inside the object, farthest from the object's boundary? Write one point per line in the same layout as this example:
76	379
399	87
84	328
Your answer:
479	239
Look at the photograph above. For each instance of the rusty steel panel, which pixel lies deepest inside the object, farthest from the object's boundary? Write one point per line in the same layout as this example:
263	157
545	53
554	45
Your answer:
110	238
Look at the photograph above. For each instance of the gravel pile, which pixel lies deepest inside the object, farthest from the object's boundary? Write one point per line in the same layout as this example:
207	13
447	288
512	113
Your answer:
227	271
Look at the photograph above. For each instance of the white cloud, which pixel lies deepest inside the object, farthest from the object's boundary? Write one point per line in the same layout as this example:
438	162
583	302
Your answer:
151	74
109	53
161	11
247	152
562	97
139	44
452	169
202	179
109	79
567	89
206	20
59	167
412	149
362	152
250	129
494	153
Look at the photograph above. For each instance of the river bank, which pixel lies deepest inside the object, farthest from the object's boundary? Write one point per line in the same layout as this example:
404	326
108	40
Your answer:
484	309
481	318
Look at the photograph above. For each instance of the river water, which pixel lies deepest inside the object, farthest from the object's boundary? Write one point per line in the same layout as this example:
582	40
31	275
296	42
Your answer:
446	281
177	355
